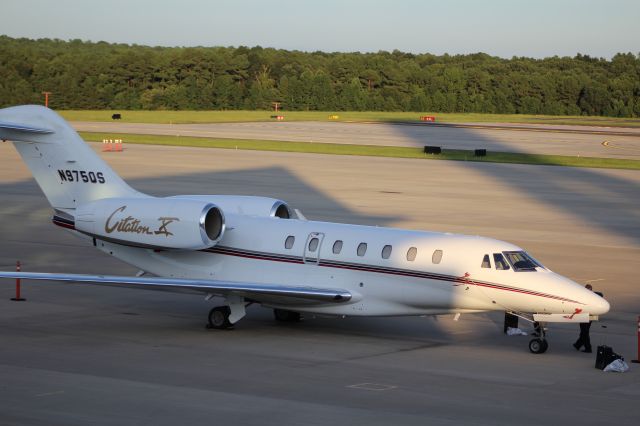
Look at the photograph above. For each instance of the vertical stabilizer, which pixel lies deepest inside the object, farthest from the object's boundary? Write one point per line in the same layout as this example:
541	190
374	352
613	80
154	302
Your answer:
67	170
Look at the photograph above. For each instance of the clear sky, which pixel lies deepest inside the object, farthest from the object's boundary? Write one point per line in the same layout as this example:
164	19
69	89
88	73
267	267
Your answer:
506	28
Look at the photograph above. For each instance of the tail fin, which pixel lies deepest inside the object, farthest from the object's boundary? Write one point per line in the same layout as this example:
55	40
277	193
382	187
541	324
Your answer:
67	170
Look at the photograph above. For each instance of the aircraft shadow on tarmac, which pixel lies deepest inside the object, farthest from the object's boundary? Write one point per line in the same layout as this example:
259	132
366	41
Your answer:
591	195
273	182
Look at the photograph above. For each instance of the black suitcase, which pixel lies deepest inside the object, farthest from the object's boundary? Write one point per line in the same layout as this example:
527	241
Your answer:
605	356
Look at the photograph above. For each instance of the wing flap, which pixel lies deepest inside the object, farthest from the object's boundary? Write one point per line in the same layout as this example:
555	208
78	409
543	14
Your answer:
182	285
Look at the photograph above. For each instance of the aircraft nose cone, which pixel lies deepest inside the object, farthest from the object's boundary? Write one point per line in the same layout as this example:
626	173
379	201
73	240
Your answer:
598	305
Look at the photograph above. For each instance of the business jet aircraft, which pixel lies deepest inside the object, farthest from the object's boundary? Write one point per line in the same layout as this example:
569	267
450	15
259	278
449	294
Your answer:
252	250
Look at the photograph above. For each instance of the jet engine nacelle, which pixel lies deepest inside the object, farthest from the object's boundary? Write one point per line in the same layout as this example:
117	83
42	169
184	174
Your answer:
160	223
245	205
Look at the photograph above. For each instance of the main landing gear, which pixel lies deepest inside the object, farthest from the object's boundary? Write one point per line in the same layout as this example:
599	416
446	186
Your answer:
224	317
219	318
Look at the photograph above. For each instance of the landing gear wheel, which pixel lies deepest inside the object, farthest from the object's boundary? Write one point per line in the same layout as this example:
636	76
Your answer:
286	316
219	318
538	346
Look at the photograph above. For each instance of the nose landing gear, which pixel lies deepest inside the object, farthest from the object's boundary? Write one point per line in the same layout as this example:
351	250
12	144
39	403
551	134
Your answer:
538	346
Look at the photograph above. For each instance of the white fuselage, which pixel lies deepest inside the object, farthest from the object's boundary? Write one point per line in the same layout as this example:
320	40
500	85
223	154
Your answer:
445	275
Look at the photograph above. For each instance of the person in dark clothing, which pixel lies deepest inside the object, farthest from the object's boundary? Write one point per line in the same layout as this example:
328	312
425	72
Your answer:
584	339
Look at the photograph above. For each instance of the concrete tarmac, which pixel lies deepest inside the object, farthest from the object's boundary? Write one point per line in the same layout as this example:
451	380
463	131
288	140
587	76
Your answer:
533	139
79	354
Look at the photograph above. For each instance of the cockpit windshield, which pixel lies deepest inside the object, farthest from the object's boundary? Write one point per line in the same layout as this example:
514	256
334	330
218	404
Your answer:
521	261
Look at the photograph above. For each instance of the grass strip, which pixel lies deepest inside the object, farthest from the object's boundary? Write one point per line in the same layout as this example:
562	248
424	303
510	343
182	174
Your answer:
366	150
192	117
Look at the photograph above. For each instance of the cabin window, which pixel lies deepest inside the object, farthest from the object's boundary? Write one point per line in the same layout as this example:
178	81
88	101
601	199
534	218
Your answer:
436	257
501	264
337	247
362	249
486	263
288	243
411	254
313	244
386	251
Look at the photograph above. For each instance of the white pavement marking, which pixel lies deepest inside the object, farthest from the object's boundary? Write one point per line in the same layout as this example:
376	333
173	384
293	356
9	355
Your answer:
50	393
372	386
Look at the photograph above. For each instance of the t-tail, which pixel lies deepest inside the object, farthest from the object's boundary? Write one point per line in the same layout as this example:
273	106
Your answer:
67	170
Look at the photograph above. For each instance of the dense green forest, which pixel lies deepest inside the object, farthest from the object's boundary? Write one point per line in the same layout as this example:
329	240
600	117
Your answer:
86	75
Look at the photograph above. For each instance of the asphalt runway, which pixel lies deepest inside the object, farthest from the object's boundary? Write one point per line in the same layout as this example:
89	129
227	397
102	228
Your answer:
533	139
78	354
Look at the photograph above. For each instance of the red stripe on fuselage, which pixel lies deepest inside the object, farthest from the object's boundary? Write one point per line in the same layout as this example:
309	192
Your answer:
381	270
228	251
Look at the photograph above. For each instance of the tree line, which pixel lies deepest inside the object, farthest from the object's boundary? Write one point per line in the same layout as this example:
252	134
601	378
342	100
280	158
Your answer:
88	75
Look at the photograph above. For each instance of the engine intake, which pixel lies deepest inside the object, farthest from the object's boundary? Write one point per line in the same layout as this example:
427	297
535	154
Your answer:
281	209
212	222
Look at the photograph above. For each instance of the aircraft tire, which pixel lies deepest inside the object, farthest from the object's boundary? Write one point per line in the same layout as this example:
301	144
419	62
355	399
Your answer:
219	317
286	316
538	346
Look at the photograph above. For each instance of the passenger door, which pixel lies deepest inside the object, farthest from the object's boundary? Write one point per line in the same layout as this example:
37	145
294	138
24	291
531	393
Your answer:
312	248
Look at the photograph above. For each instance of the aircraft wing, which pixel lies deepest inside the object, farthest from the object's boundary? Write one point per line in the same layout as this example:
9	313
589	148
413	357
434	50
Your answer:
255	291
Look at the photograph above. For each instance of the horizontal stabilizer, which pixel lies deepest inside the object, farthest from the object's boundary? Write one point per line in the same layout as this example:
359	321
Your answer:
25	129
249	290
58	158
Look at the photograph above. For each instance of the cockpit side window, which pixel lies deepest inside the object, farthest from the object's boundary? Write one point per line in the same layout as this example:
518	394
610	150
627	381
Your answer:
500	262
521	261
486	263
